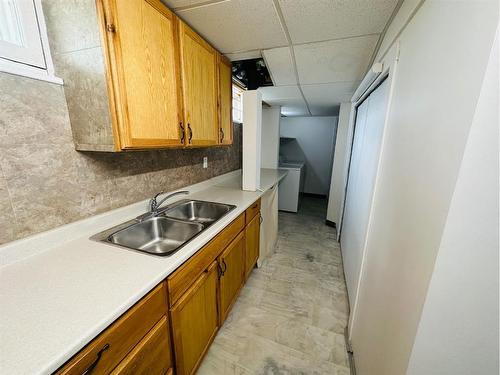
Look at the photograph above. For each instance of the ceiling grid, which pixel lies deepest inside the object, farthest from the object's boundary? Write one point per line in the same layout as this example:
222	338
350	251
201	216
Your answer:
316	51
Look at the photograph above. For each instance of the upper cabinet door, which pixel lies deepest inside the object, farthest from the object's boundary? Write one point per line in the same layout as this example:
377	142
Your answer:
143	41
199	83
225	101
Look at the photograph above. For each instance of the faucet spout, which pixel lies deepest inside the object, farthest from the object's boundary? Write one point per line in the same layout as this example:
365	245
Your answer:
154	205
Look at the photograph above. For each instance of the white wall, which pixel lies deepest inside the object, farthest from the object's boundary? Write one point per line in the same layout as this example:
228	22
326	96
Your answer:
444	51
458	331
270	136
315	143
340	165
251	142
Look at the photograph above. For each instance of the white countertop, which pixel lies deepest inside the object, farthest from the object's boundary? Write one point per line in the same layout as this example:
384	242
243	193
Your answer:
59	290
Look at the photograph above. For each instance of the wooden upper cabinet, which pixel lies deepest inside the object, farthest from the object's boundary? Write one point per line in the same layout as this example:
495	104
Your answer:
232	274
225	101
142	41
200	88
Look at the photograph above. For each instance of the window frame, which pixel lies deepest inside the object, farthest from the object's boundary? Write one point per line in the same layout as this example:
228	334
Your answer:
236	85
24	69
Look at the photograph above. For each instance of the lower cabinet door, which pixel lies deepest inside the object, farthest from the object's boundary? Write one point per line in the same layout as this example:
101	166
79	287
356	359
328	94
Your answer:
252	237
151	356
232	274
195	321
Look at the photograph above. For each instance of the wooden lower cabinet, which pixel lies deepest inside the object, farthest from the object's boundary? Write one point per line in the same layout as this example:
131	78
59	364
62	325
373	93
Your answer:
151	356
108	349
139	342
195	321
232	274
252	238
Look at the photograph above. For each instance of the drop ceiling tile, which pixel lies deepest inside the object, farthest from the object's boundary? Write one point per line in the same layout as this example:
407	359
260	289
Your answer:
244	55
280	65
294	111
325	110
331	94
311	21
334	61
288	97
281	95
237	25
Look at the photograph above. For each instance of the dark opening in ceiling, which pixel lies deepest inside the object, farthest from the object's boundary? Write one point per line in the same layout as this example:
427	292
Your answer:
252	73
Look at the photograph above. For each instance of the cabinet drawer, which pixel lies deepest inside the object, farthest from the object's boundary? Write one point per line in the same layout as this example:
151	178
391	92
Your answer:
253	210
151	355
111	346
184	276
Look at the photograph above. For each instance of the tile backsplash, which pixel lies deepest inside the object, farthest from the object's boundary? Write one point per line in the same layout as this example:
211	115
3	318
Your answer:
45	183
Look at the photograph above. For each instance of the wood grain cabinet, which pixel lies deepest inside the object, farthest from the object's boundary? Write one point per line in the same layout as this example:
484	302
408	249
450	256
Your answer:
225	100
195	321
136	330
231	274
142	48
153	82
200	88
252	237
186	310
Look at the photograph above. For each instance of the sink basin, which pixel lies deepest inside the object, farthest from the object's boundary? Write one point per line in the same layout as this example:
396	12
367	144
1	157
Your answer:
198	211
171	228
157	235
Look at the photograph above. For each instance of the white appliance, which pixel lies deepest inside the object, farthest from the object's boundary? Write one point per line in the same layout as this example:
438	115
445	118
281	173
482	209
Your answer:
291	186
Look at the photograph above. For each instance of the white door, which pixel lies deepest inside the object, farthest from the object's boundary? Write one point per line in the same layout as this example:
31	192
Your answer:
368	132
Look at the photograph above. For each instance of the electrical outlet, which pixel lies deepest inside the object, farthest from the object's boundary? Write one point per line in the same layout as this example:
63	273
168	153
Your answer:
205	162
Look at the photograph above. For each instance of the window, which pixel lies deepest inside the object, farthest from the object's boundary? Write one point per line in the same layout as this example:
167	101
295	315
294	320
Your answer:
24	48
237	105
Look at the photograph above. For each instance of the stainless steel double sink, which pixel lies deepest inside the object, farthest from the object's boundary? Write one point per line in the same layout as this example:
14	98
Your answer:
166	231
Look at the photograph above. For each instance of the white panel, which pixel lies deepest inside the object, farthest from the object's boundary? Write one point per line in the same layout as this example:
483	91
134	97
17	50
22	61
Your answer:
368	133
324	100
311	21
270	142
458	330
237	25
334	61
252	127
443	57
280	65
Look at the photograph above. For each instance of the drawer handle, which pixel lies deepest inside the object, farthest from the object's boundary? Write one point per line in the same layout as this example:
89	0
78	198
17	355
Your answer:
261	219
255	205
96	361
221	135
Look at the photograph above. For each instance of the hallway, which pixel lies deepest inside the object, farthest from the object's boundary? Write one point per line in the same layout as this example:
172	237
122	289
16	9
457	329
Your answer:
291	314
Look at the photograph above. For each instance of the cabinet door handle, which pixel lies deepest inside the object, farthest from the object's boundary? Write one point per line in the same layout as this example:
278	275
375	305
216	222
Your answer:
182	132
111	28
261	219
255	205
221	135
190	132
96	361
219	270
225	266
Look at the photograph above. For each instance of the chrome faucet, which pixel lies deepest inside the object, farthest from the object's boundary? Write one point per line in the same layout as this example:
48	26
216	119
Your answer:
154	205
